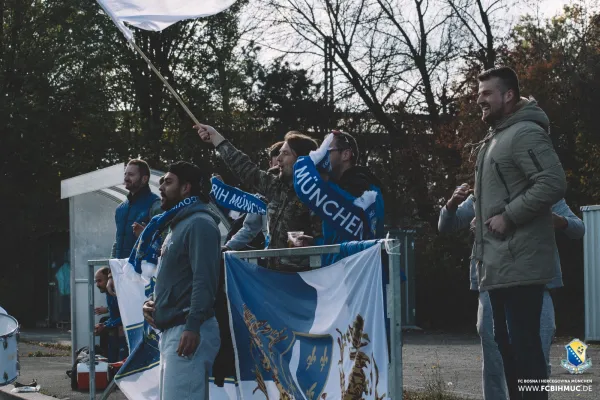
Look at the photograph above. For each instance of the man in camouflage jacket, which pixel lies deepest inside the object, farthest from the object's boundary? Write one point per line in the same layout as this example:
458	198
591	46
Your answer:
285	212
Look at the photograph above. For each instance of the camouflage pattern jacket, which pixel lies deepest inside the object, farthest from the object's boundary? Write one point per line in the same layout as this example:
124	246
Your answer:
285	211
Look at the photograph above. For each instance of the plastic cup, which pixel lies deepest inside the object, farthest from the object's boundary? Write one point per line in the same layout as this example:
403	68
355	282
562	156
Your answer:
293	238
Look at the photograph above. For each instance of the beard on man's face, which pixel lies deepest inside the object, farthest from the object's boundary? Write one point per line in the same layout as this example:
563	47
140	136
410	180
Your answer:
165	203
133	185
491	111
168	201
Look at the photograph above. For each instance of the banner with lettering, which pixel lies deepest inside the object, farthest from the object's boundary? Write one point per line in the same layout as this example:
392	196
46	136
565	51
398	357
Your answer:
353	218
235	199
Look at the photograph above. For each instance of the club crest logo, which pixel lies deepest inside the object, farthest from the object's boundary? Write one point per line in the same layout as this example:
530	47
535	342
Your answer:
297	363
576	362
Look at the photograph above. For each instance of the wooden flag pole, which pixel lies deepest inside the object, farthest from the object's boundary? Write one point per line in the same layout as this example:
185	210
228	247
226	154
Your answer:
162	78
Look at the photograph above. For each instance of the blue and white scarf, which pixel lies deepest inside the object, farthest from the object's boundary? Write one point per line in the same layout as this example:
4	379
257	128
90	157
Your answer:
148	244
235	199
353	218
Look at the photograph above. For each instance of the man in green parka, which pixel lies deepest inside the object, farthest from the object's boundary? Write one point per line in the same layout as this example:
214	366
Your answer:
518	177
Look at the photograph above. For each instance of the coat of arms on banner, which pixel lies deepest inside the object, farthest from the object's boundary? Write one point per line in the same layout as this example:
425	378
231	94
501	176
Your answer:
364	378
314	362
576	362
298	363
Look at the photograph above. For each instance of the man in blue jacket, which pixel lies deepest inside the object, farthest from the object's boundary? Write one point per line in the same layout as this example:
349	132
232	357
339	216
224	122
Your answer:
457	215
134	213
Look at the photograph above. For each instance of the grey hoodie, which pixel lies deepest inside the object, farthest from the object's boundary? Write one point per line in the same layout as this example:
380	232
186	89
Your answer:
188	271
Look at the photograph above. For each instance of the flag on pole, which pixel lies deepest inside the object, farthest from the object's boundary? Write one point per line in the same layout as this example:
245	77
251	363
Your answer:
156	15
312	335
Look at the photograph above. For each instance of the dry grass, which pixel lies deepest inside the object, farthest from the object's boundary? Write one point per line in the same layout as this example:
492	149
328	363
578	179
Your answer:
43	354
429	395
55	346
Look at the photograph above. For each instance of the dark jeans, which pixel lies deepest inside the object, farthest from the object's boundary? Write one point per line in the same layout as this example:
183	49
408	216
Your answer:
104	339
117	348
517	312
65	308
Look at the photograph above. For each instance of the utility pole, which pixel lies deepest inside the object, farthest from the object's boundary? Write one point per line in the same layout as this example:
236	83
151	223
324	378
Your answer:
328	99
328	71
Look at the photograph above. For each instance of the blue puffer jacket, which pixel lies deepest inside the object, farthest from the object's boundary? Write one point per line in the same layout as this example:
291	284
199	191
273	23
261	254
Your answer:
354	182
139	208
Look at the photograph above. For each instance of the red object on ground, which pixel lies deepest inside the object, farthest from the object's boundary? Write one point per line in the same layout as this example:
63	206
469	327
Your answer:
83	375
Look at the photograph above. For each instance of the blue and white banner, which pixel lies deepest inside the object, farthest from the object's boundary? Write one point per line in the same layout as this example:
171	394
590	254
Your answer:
138	378
232	198
310	335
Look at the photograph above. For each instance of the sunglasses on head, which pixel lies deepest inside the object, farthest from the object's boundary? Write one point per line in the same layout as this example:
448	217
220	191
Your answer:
342	136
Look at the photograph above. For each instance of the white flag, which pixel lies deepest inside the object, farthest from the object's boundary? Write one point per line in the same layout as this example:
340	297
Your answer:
138	378
156	15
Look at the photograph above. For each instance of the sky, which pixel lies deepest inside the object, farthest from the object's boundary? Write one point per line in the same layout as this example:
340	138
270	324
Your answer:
545	8
542	9
551	7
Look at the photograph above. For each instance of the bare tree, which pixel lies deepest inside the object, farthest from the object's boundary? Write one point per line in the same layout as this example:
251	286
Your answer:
351	29
426	36
388	57
483	22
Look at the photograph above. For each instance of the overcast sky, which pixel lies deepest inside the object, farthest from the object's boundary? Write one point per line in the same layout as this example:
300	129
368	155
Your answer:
270	42
552	6
543	8
549	8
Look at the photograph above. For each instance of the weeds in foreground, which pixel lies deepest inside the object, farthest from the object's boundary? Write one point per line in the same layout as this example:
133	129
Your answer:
40	353
436	386
413	395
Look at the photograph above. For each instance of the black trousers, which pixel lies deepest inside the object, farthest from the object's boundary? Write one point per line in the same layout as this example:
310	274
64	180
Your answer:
517	311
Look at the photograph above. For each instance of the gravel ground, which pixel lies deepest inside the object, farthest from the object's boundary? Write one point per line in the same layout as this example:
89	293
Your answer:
429	358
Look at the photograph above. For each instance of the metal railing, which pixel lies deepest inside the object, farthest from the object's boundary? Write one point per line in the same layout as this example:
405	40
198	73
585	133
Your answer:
92	322
393	290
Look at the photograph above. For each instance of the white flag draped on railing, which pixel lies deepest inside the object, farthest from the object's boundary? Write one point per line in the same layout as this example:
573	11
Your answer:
138	378
314	335
156	15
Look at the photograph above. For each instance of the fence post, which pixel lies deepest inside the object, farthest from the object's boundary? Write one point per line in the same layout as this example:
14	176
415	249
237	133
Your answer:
395	310
92	324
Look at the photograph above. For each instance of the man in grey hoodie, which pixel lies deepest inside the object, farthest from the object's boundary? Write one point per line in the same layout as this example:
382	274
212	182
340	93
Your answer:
186	283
